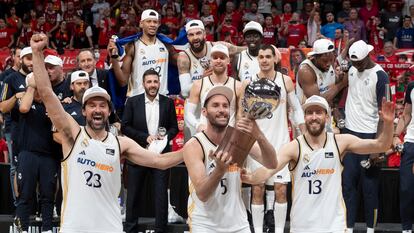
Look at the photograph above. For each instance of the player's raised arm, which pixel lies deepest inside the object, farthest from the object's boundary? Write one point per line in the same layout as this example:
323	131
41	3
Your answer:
61	120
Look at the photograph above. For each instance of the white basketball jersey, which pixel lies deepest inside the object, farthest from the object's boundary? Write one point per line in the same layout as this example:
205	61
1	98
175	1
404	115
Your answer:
91	181
317	202
198	65
247	65
224	211
153	56
323	79
276	128
207	84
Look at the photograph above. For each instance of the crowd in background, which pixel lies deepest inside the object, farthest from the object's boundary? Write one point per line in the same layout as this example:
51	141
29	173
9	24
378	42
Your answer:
90	24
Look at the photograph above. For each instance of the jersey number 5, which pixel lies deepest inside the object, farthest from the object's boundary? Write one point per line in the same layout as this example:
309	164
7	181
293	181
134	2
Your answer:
223	184
315	186
92	180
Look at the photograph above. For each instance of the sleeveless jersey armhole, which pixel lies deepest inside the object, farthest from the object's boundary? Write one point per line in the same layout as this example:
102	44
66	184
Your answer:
119	146
73	146
337	148
202	148
292	167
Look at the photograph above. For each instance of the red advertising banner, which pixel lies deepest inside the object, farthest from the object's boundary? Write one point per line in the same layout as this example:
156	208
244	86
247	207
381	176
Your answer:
69	58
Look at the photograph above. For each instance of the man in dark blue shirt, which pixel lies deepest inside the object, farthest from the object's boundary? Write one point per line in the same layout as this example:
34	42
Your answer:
13	88
404	39
7	119
39	154
79	84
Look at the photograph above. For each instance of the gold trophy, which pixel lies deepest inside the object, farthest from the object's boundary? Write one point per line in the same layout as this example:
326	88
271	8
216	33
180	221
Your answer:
261	97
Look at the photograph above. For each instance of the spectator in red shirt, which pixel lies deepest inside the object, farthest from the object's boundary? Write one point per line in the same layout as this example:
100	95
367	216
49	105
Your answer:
52	17
212	6
42	26
61	38
14	22
388	53
233	14
81	35
33	19
4	152
69	16
178	141
131	26
106	26
368	11
228	32
376	33
6	35
171	20
189	14
269	31
26	33
295	31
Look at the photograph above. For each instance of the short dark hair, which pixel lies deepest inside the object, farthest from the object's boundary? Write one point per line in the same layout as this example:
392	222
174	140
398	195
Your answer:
268	46
150	71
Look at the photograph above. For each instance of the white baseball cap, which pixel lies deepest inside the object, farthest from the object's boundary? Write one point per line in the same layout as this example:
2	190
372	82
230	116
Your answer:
149	14
219	90
79	75
322	46
316	100
195	23
95	92
220	48
253	26
54	60
25	51
359	50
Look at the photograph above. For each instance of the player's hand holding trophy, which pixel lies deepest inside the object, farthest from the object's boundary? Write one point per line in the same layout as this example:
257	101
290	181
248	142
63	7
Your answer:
261	97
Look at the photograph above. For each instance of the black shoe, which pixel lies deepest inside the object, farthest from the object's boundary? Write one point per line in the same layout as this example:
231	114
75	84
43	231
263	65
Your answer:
269	221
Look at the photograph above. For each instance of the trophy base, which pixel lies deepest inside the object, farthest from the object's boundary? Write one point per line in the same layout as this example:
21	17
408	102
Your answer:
237	144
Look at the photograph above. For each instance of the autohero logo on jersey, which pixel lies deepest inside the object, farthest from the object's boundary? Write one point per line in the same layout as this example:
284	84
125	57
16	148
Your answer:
91	163
147	62
308	172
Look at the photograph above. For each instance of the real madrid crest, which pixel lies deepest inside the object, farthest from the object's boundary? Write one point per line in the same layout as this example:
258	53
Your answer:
85	143
306	158
246	65
141	51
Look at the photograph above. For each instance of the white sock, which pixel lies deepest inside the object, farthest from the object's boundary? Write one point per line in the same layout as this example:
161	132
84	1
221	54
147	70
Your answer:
270	199
407	231
280	216
257	216
370	230
246	196
350	230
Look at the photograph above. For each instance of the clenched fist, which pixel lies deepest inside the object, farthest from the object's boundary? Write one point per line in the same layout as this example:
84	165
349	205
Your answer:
38	42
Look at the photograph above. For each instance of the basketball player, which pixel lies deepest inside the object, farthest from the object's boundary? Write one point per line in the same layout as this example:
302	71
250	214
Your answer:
194	62
91	176
145	53
407	161
314	161
219	61
215	203
245	64
276	131
316	75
